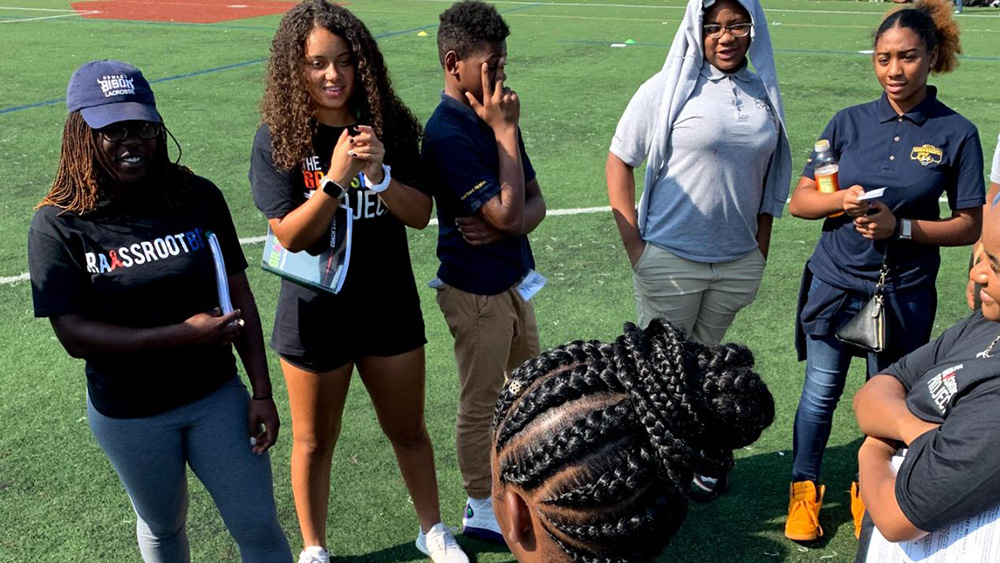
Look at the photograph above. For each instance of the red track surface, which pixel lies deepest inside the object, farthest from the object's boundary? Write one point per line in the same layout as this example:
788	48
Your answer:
181	11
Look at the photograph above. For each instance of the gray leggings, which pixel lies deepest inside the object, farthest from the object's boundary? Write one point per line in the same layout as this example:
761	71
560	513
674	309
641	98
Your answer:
150	456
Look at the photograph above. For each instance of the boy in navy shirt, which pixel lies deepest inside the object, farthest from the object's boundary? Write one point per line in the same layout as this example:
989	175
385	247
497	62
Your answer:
488	200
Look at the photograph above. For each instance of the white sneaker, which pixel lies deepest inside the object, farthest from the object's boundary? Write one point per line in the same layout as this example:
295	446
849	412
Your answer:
440	545
314	554
479	521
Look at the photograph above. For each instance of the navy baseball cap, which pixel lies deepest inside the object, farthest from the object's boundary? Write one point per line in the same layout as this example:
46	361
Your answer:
108	91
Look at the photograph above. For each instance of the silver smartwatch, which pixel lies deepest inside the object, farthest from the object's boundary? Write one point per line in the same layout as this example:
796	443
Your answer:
905	229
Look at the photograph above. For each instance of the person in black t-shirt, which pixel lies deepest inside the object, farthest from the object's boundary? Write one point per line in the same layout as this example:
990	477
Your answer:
940	402
332	128
120	264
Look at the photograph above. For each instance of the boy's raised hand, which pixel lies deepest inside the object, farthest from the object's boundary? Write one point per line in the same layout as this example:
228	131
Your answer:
501	108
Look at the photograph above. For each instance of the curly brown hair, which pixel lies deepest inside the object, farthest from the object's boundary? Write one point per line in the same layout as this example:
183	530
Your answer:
287	108
84	174
933	22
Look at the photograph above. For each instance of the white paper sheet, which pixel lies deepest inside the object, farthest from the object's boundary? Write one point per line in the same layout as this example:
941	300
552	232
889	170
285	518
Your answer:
871	194
530	284
975	539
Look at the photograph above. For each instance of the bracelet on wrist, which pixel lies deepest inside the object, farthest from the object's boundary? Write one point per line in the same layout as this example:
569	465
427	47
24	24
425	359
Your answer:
381	186
263	398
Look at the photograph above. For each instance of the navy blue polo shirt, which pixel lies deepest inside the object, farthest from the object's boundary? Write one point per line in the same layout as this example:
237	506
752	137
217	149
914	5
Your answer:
462	170
918	156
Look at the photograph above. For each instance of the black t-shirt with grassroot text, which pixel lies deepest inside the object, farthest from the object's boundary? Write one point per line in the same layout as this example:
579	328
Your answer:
139	262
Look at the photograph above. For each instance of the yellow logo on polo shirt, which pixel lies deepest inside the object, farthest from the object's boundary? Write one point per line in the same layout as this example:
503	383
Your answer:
926	154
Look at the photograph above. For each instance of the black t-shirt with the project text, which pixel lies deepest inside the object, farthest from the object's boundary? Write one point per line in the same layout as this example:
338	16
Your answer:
139	263
953	472
379	276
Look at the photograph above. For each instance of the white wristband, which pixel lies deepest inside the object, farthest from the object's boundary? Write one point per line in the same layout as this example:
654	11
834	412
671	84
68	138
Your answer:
380	187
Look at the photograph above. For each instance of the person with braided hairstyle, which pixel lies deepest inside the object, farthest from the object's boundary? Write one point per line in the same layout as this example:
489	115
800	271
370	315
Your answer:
595	443
120	262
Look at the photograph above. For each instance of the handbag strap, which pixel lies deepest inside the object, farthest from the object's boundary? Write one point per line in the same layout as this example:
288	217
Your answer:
883	271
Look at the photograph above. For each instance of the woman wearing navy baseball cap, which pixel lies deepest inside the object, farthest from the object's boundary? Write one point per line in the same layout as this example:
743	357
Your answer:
120	264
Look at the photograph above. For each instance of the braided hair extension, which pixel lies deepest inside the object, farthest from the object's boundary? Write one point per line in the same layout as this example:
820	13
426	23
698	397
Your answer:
287	106
84	175
605	437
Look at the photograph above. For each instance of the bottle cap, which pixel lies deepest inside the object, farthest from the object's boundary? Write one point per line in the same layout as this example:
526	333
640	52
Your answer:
822	145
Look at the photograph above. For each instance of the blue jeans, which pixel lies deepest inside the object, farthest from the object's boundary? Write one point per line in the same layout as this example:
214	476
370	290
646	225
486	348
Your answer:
151	456
827	362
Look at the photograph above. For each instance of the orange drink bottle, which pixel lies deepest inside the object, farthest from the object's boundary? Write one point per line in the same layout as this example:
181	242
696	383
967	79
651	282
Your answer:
826	169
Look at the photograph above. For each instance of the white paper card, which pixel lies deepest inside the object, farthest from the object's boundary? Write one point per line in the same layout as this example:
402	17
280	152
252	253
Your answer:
973	539
871	194
531	283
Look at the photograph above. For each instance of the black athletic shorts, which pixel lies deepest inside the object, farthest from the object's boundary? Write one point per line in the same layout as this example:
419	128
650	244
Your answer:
320	332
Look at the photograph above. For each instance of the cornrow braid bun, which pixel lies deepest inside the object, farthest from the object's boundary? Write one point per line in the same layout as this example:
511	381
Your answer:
604	438
739	405
697	403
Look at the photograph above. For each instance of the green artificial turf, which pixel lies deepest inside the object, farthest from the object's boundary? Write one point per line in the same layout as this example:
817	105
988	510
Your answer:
59	498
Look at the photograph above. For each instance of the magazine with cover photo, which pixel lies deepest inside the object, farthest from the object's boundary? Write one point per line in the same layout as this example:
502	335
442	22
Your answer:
322	266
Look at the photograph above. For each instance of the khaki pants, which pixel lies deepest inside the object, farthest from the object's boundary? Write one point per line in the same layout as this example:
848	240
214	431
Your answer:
701	298
493	334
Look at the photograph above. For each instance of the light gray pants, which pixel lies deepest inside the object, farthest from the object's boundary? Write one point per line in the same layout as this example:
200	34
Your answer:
151	456
700	298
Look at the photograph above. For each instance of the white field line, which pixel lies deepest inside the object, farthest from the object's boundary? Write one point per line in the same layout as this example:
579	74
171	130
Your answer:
248	241
14	279
73	15
647	7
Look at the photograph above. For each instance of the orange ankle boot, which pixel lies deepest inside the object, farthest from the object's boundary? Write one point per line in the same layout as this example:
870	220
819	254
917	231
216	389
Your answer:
804	502
857	508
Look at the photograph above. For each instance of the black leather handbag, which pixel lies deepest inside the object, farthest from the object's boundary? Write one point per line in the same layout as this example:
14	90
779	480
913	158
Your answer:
868	330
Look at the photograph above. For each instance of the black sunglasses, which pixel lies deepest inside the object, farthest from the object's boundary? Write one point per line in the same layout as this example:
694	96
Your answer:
118	132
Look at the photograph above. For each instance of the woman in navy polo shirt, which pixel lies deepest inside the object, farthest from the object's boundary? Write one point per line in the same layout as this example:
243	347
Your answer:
918	149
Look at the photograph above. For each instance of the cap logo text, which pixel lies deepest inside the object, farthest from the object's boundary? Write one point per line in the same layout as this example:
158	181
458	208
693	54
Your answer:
116	85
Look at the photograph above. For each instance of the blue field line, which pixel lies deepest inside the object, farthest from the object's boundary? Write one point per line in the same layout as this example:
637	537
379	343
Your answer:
789	51
242	64
158	80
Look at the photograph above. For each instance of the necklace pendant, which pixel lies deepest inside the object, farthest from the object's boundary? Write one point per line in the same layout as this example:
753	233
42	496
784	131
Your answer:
983	354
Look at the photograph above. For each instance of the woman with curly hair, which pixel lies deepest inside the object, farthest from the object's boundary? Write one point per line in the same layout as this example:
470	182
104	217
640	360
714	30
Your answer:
918	149
595	444
332	126
120	264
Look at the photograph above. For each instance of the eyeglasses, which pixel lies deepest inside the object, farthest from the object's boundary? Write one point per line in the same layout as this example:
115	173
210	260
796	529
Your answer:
118	132
715	30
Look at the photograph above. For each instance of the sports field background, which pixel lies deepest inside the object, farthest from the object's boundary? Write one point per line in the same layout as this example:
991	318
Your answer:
59	498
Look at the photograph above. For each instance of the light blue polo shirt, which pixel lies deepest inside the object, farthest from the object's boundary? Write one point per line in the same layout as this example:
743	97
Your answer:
704	206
